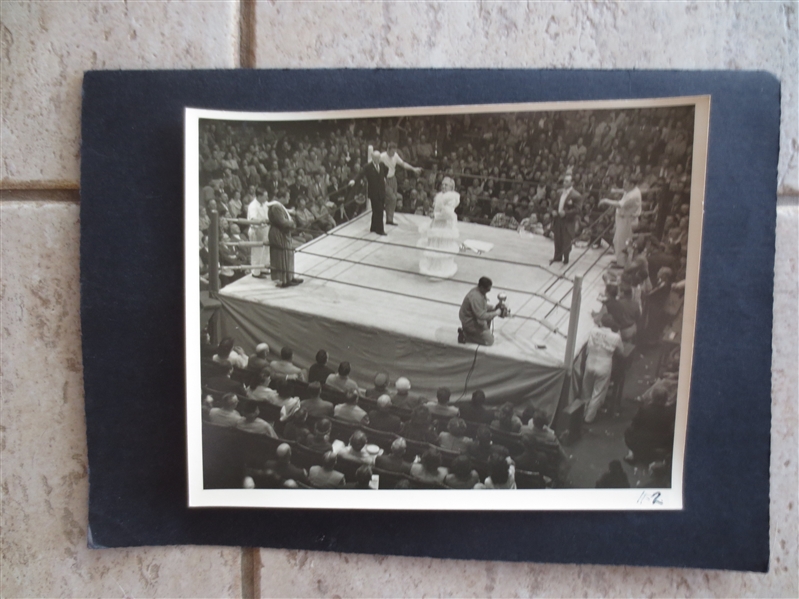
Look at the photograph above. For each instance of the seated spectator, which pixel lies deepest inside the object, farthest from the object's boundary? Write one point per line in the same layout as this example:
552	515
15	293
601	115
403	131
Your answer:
349	410
506	420
207	406
614	477
284	395
356	450
461	475
505	219
285	369
454	438
441	407
363	478
341	381
475	411
501	474
249	483
419	427
380	388
319	370
650	436
482	448
260	359
394	461
294	421
224	384
429	469
252	424
315	405
319	440
262	391
542	450
402	397
281	469
326	476
227	414
668	383
226	352
382	419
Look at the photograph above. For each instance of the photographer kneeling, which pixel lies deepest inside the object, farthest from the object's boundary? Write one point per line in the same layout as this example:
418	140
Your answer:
476	315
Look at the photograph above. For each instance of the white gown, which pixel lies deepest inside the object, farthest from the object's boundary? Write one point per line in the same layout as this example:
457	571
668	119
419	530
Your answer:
441	235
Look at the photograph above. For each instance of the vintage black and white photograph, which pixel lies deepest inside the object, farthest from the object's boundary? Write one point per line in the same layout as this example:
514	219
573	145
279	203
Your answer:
430	300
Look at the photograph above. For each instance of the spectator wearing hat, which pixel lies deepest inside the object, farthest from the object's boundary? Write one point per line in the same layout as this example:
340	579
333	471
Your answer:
285	369
402	397
475	410
380	388
319	440
441	406
326	476
395	460
461	475
252	424
341	380
315	405
381	418
350	410
319	370
226	415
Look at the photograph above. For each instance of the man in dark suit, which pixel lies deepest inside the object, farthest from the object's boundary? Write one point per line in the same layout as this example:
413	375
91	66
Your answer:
375	174
224	384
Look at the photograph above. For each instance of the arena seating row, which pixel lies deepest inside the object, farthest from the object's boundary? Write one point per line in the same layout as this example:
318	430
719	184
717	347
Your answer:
271	413
229	452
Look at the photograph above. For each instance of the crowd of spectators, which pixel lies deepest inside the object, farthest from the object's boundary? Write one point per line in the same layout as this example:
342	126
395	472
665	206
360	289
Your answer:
509	170
468	445
507	167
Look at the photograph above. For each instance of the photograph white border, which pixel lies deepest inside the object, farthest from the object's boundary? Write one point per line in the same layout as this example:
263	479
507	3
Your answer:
430	499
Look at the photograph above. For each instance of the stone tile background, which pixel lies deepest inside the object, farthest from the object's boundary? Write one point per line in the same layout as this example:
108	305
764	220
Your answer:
45	48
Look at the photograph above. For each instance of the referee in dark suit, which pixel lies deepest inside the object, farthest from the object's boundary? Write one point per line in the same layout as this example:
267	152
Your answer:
375	174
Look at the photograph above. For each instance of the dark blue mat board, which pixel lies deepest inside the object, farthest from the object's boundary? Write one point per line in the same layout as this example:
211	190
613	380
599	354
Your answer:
133	335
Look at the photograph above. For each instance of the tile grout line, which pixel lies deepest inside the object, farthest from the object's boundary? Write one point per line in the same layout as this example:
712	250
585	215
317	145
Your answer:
52	195
250	556
250	573
247	36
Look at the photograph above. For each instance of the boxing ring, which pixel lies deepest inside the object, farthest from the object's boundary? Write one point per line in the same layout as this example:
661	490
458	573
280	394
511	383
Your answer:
364	300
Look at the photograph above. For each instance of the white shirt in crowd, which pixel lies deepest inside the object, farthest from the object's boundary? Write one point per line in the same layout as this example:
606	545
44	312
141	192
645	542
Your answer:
391	162
602	343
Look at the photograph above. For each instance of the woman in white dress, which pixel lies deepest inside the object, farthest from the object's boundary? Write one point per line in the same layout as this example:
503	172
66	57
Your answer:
440	237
